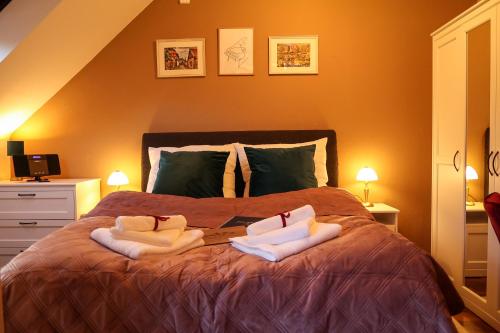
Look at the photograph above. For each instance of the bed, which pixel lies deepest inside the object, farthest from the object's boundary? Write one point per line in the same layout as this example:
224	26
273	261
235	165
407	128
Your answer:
369	279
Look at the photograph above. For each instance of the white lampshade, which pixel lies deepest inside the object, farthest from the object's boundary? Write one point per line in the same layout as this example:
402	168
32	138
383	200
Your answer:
366	175
470	173
117	178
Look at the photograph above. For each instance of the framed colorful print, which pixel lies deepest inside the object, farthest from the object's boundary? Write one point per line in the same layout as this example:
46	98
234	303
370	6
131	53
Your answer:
236	51
180	57
293	55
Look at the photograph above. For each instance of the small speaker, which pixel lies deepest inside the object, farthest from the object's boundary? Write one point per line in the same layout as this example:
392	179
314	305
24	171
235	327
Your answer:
53	163
21	167
15	148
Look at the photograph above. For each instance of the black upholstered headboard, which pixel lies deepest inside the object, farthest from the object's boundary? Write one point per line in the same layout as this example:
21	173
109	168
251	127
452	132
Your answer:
179	139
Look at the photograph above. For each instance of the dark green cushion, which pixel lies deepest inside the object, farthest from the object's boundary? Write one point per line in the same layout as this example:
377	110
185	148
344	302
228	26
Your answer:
193	174
276	170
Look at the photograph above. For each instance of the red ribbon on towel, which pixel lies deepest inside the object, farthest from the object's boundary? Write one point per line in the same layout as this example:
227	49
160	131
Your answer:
284	216
158	219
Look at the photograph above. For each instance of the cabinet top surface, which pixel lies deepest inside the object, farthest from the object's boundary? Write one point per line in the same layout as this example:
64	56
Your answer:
52	182
382	208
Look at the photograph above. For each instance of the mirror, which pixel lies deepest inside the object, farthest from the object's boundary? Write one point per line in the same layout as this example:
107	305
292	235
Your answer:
477	174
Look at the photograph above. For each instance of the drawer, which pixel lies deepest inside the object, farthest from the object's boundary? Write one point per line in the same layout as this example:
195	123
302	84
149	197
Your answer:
391	227
12	231
50	205
6	254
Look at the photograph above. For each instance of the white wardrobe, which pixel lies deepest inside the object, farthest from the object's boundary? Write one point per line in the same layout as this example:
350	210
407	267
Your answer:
466	154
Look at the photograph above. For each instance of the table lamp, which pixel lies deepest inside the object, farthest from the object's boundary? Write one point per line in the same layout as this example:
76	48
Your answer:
470	174
367	175
117	178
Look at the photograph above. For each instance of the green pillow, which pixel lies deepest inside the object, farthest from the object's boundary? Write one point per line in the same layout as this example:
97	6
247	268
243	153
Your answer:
276	170
193	174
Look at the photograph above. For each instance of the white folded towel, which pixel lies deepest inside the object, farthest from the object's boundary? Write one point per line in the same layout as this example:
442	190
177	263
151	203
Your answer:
147	223
293	232
158	238
276	222
320	232
188	240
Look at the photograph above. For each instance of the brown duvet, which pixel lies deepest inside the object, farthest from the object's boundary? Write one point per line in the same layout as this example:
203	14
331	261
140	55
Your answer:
367	280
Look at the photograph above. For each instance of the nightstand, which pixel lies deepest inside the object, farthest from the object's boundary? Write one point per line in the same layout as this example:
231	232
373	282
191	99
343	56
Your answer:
32	210
476	241
385	214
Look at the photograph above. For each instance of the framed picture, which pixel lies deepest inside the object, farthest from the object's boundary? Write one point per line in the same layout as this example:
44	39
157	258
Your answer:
180	57
236	51
293	55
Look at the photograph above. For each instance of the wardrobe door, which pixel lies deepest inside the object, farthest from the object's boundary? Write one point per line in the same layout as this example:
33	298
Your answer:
449	121
493	286
479	173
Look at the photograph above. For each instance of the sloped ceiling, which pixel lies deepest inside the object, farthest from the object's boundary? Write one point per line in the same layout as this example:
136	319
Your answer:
43	44
56	49
19	19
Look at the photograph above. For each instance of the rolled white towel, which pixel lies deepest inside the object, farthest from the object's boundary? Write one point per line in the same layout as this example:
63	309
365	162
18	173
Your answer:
276	222
188	240
321	232
293	232
147	223
158	238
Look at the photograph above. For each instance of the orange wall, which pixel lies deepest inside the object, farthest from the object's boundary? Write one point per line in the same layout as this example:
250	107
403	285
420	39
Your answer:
373	87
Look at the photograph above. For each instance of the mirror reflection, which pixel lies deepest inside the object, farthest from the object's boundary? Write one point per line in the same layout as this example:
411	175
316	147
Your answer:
477	172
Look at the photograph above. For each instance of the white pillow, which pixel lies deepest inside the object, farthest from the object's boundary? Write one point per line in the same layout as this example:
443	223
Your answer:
319	160
228	184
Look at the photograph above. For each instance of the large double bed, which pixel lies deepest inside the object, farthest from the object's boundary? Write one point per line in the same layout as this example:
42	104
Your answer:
369	279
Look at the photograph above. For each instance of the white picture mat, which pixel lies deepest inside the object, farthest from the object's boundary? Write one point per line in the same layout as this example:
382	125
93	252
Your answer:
236	51
273	54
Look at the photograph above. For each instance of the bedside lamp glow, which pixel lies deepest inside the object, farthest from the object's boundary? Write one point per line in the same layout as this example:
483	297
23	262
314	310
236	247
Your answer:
470	174
117	178
367	175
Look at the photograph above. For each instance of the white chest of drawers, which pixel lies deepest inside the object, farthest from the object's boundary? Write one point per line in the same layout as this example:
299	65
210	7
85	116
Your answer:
30	210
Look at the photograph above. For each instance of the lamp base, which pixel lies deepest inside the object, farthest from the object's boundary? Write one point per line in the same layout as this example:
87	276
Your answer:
470	203
368	204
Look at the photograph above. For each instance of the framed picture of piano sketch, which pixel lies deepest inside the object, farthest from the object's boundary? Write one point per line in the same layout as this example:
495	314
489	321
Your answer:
236	51
293	55
180	57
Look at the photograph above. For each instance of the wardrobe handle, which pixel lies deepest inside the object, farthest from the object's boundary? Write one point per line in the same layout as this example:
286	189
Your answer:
494	164
455	161
489	163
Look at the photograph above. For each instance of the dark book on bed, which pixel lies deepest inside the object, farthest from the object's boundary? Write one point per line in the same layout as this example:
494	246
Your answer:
234	227
237	221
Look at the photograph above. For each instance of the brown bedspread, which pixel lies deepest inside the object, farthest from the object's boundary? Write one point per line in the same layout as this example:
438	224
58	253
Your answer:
367	280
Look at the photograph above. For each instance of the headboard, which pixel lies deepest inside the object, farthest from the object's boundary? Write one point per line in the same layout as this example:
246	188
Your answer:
179	139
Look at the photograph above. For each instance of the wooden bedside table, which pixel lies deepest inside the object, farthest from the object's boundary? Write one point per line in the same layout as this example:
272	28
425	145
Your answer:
32	210
385	214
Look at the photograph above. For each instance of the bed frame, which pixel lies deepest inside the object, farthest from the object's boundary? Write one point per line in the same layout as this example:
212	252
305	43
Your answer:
179	139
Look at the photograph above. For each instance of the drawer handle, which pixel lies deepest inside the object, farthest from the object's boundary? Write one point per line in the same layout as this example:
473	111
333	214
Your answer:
28	223
26	194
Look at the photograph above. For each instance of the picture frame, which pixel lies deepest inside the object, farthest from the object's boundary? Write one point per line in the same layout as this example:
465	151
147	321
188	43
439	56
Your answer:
293	55
180	57
236	52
